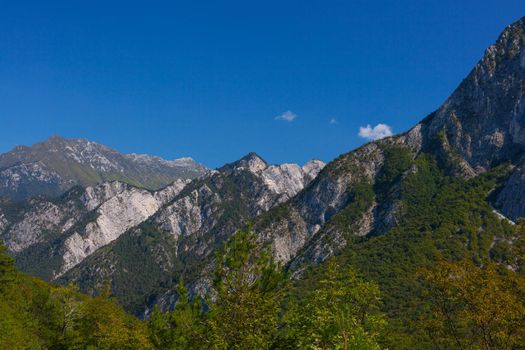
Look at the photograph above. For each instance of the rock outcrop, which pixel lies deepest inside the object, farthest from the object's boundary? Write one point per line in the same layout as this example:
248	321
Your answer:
78	223
511	199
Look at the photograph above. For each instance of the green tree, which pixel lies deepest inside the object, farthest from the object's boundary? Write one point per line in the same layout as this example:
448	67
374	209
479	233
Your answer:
473	307
189	321
104	325
341	313
160	329
184	328
7	269
249	290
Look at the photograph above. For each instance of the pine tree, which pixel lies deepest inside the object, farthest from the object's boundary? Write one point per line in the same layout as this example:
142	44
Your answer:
188	320
249	289
342	312
160	329
7	269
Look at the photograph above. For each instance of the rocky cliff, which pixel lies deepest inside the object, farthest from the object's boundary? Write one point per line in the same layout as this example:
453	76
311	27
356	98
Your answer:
49	236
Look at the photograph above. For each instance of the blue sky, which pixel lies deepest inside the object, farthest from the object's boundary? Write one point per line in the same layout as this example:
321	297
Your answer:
210	79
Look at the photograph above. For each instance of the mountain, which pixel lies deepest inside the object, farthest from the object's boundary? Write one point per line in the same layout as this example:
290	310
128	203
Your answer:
459	170
49	236
53	166
449	188
481	125
94	233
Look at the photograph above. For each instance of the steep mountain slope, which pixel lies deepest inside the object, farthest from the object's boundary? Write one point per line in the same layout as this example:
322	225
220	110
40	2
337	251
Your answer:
53	166
444	218
89	235
482	124
398	205
482	121
48	237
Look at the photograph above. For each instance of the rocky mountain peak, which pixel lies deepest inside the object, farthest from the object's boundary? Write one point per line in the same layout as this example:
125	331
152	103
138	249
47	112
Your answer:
251	162
483	121
313	167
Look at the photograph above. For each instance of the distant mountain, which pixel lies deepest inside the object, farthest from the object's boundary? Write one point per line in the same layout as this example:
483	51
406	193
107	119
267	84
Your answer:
53	166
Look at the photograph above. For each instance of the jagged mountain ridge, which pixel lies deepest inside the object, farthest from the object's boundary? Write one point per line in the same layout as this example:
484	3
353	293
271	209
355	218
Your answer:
479	126
49	237
57	164
187	231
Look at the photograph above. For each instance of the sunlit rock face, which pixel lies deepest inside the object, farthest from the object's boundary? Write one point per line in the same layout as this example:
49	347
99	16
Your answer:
81	221
120	211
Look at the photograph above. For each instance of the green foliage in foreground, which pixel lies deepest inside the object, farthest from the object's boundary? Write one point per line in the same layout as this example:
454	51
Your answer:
342	312
36	315
251	308
254	309
473	308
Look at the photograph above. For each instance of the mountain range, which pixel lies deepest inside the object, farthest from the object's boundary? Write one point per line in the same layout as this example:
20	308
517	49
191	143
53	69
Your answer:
57	164
76	211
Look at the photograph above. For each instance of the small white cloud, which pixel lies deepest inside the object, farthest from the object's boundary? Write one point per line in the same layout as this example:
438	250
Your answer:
333	121
287	116
375	133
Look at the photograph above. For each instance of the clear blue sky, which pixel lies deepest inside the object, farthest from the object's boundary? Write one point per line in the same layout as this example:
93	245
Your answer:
206	79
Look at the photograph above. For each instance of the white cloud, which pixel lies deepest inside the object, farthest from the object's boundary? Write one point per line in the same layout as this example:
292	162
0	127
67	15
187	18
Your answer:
287	116
333	121
375	133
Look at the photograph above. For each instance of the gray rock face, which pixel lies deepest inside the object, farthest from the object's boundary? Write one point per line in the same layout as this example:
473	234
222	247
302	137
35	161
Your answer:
483	121
3	222
82	221
57	164
43	216
250	186
124	207
511	199
328	194
85	220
